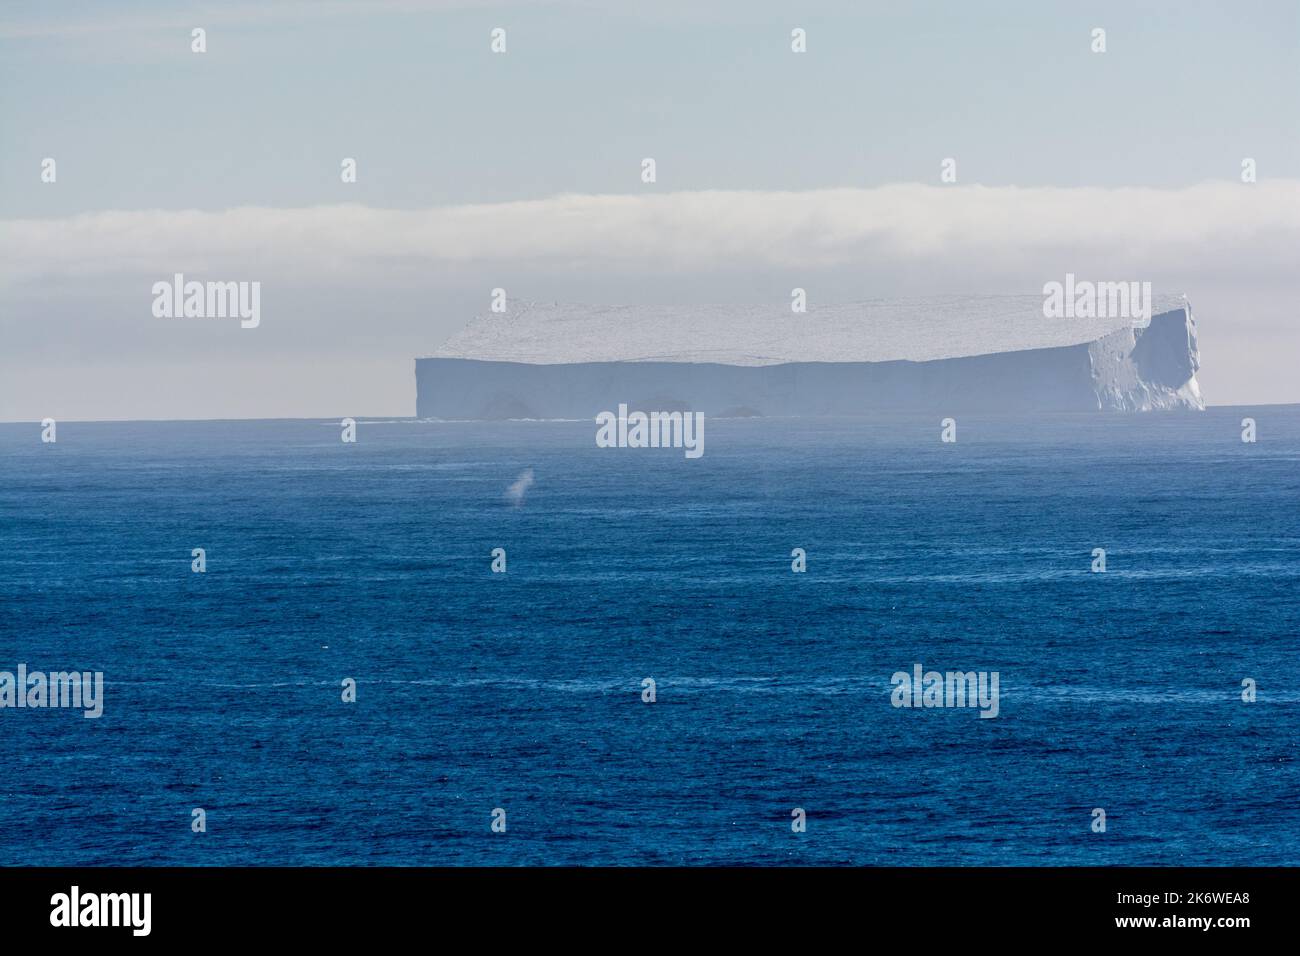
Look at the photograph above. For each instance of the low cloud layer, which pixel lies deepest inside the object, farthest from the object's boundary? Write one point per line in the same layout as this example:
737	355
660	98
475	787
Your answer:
1138	230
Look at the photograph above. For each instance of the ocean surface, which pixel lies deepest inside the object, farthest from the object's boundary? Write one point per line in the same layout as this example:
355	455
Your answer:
523	691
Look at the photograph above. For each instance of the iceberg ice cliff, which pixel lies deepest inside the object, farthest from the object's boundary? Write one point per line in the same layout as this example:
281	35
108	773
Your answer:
940	354
1142	369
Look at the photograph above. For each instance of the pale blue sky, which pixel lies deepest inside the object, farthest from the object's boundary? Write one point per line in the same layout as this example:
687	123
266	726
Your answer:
1011	89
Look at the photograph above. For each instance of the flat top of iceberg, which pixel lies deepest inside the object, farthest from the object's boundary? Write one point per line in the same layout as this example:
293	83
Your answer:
874	330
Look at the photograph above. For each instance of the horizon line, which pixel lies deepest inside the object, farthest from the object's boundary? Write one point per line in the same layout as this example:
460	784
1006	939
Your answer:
380	419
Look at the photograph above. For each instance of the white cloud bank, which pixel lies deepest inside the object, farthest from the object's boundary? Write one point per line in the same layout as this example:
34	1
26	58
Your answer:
1220	225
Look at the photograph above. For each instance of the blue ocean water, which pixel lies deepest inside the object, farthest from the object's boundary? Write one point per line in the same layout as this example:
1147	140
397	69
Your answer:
522	690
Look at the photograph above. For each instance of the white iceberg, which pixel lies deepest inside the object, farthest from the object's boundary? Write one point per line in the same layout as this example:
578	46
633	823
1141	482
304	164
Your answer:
989	353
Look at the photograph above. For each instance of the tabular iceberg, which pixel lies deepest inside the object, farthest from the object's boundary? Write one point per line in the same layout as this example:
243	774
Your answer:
937	354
